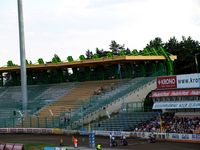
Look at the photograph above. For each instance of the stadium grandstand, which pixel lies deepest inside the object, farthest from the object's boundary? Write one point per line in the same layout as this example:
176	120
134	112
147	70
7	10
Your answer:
120	94
73	94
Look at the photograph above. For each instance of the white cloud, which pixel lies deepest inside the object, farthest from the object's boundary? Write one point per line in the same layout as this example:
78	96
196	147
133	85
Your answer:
70	27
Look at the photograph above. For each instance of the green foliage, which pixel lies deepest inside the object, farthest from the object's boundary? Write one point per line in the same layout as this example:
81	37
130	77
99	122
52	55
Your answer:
146	52
155	43
56	59
101	52
10	63
95	56
127	51
135	52
116	48
151	52
70	59
110	55
40	61
82	57
185	51
122	53
98	51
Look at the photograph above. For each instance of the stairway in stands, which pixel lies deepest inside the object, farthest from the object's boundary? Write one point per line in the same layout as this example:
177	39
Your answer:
112	101
49	116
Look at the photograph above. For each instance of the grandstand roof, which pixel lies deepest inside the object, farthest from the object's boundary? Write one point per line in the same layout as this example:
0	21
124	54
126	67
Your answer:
87	62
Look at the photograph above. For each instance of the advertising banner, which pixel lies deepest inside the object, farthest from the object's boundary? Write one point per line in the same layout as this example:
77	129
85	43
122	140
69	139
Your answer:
49	148
57	131
176	105
175	136
189	92
18	147
3	130
196	137
179	81
193	138
166	82
55	148
188	81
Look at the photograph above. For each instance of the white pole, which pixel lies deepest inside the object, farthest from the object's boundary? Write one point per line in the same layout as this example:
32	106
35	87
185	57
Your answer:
22	57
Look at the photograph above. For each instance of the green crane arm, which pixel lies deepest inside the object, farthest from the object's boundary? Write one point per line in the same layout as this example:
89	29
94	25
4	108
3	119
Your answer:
168	60
154	51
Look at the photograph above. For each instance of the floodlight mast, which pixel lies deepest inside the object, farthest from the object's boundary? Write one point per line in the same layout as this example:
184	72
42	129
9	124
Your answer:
22	57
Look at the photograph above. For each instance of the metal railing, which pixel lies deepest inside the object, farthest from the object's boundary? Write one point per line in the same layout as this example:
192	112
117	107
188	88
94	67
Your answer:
101	101
32	122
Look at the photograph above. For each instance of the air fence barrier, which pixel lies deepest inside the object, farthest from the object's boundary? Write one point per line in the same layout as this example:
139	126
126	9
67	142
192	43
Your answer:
174	137
10	146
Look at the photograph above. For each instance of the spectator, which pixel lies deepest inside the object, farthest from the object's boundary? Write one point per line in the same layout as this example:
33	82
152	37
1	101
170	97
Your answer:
170	124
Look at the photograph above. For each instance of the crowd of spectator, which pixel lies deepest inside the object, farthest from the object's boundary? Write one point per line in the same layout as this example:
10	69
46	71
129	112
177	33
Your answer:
169	123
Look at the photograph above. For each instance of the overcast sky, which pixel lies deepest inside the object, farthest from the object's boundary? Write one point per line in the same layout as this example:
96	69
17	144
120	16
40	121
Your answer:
70	27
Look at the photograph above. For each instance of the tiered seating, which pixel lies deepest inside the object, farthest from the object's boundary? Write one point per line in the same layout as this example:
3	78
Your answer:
5	119
11	100
78	99
102	100
74	99
49	115
125	121
10	97
49	95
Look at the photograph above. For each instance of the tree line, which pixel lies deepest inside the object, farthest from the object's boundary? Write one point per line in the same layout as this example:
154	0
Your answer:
186	50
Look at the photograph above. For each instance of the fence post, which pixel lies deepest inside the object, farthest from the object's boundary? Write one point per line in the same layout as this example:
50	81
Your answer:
52	121
46	122
22	122
38	122
30	125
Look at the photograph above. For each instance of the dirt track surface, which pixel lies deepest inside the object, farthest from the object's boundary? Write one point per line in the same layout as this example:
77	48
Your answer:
83	141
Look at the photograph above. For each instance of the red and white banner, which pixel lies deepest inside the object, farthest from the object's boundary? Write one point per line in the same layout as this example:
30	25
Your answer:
166	82
193	92
179	81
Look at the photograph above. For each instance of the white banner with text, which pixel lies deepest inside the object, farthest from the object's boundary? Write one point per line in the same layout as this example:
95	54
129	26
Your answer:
176	105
